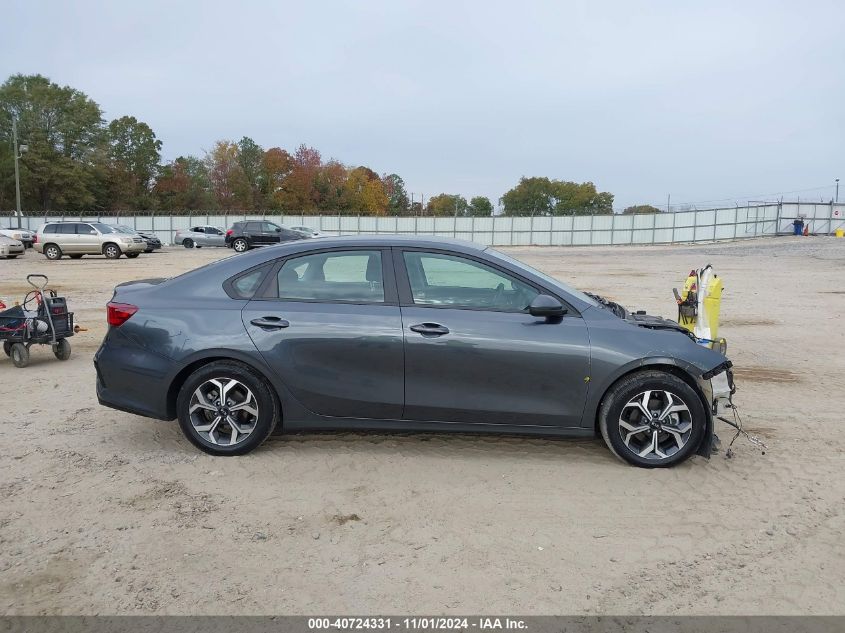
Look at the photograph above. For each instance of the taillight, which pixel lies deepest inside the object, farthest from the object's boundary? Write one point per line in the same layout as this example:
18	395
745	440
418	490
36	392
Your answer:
229	232
119	313
35	239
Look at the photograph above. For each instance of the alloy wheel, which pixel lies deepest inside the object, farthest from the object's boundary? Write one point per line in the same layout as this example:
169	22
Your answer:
240	246
655	424
223	411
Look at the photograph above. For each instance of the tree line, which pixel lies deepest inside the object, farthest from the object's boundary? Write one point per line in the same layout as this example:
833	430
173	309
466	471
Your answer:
78	162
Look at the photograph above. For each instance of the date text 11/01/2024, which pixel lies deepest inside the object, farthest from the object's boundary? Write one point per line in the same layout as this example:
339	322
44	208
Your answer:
417	624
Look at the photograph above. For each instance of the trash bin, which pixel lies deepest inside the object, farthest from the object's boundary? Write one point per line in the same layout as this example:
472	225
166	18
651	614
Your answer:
798	226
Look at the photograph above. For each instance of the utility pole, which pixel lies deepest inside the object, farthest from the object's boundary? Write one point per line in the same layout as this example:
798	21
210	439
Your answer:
17	169
837	190
669	203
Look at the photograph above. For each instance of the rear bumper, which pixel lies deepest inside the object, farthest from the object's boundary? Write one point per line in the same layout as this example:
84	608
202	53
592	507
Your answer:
131	378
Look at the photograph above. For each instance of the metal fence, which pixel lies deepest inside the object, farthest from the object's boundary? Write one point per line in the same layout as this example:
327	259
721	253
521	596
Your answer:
733	223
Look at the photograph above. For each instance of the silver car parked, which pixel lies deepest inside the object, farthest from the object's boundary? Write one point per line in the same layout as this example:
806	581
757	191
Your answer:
200	236
76	239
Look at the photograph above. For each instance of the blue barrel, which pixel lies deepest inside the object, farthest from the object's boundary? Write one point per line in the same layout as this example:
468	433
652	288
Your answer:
798	227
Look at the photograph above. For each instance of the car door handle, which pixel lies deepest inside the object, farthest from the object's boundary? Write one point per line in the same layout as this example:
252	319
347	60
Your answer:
271	323
430	329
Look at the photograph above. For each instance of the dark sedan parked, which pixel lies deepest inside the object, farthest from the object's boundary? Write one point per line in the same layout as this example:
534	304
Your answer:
246	235
407	333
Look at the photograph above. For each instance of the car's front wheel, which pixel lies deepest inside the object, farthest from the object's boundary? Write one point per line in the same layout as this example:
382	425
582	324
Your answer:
240	245
225	408
112	251
652	419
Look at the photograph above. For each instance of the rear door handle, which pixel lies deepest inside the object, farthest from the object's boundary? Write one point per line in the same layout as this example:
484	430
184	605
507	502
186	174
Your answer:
430	329
271	323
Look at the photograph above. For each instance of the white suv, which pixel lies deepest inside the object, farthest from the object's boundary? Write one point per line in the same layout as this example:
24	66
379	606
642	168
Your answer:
76	239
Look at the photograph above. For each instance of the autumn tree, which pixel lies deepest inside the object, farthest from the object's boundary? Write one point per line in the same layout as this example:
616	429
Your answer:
276	165
331	187
299	188
228	180
364	192
447	204
184	185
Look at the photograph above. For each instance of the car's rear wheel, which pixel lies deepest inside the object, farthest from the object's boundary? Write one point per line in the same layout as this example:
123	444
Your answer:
51	251
112	251
240	245
225	408
188	243
652	419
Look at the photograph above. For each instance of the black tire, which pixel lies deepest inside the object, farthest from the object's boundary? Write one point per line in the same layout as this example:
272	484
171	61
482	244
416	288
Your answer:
132	255
75	256
188	242
52	252
616	402
20	355
111	251
11	257
240	245
7	348
267	405
62	349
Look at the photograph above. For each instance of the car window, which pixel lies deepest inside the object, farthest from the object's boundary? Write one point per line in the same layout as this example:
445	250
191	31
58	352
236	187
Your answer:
450	281
269	227
51	228
253	226
246	285
354	276
198	229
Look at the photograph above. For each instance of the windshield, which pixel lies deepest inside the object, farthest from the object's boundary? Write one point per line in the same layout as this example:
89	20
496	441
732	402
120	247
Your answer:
124	229
548	279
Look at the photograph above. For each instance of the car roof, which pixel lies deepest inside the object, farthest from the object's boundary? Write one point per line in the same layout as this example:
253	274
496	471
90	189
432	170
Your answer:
427	241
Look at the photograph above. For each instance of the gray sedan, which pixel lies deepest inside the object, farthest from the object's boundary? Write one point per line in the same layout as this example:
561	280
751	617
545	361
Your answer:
200	236
403	333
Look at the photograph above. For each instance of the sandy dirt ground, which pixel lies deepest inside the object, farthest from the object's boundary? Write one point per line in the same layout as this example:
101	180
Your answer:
105	512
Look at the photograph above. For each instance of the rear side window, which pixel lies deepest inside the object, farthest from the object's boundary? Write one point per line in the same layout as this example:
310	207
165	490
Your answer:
67	229
51	228
353	276
245	285
254	227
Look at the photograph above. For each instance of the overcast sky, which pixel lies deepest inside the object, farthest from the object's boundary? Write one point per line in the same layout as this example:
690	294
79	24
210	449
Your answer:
708	101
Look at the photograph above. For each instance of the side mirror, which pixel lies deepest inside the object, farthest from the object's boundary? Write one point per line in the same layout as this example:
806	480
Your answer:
546	306
278	230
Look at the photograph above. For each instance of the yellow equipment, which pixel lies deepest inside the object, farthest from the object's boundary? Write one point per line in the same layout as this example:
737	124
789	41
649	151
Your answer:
698	307
840	233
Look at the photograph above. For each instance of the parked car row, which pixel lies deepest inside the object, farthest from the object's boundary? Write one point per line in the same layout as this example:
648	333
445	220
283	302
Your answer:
242	236
77	238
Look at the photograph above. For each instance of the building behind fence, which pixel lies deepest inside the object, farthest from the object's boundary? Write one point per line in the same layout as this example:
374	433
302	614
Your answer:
681	227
